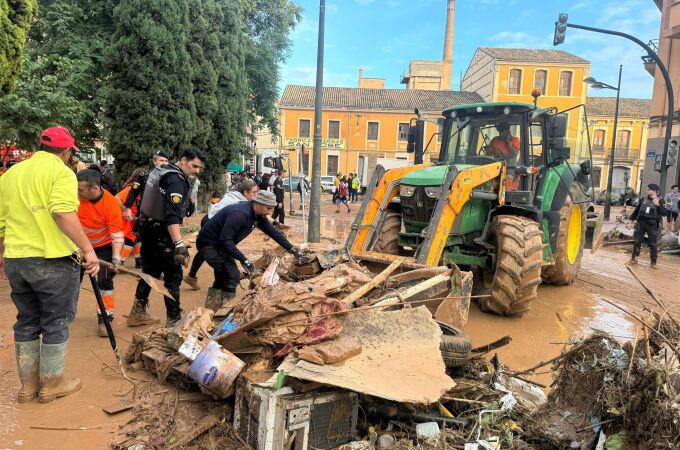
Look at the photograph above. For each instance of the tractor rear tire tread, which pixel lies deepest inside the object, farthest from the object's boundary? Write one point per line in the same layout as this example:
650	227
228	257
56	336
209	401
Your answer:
518	271
388	238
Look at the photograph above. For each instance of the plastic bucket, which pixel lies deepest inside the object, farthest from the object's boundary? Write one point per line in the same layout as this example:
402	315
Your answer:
216	369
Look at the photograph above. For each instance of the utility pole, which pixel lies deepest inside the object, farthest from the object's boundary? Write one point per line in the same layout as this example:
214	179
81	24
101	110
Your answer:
315	201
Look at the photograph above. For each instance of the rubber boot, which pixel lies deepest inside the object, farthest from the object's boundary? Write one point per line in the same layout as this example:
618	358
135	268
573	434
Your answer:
172	318
52	381
28	368
214	299
139	316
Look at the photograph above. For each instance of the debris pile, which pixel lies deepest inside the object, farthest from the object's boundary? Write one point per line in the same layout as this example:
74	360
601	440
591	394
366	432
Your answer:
626	396
324	353
314	328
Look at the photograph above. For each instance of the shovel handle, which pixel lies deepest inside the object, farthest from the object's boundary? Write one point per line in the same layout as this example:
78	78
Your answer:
108	265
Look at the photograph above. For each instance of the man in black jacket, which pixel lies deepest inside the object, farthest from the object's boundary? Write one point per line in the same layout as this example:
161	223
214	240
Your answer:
649	213
217	241
279	191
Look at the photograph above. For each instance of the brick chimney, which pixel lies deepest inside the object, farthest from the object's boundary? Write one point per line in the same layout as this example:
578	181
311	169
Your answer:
447	59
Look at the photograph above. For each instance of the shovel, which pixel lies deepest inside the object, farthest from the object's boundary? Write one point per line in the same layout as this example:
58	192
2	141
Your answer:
105	318
107	325
154	283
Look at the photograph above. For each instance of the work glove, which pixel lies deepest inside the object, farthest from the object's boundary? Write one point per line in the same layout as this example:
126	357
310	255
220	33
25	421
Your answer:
296	253
250	267
181	254
117	262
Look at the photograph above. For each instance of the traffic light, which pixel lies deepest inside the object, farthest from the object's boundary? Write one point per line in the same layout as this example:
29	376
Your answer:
672	156
560	29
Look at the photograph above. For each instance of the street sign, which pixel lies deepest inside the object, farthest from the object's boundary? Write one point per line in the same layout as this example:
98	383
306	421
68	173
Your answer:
651	153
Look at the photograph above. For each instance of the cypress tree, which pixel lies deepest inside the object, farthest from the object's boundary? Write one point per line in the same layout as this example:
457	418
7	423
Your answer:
203	48
150	102
229	122
15	20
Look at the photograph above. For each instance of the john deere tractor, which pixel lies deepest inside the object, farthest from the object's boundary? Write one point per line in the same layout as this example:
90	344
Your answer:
501	200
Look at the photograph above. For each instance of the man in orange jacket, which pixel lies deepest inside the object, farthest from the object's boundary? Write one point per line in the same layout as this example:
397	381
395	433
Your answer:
102	219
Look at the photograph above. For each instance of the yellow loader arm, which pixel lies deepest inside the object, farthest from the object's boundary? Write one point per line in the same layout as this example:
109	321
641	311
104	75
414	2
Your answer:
385	186
462	188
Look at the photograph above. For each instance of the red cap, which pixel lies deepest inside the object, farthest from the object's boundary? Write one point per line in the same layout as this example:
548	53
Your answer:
58	137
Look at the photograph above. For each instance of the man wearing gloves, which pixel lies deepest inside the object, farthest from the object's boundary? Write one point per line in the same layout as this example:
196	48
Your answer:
217	242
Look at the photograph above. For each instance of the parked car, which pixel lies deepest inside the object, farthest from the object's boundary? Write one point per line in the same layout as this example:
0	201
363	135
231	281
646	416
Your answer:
286	183
327	183
618	197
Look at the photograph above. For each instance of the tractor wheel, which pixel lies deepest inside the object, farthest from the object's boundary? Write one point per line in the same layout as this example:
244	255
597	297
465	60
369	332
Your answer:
387	242
519	251
570	243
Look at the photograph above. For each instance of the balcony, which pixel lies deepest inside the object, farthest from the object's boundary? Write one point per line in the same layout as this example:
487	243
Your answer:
648	62
621	154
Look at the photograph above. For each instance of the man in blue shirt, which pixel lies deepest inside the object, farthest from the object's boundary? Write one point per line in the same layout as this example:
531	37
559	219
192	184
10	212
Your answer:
217	242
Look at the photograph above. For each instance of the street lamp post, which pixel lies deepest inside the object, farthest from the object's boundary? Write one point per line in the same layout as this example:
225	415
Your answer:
560	34
592	82
315	202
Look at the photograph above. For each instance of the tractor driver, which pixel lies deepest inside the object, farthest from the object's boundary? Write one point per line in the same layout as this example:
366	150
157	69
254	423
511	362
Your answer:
504	146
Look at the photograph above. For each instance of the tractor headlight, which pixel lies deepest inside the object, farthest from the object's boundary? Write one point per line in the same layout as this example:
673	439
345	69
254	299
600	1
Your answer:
406	191
433	192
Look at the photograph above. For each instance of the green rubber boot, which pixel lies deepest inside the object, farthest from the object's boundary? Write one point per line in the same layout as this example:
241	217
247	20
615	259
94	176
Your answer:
28	368
53	383
213	300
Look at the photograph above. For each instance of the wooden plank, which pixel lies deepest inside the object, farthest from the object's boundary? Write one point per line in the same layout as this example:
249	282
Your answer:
413	291
418	274
118	406
366	288
382	258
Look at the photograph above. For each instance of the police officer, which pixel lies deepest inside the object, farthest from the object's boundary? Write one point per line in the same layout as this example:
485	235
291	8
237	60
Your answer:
649	213
217	242
164	203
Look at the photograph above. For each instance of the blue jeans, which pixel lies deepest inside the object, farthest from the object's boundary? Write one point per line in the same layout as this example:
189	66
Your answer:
45	293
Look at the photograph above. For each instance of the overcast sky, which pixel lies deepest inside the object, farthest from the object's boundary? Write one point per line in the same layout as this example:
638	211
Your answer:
382	36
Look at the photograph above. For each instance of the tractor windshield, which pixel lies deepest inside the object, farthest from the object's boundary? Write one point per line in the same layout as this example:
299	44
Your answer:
483	139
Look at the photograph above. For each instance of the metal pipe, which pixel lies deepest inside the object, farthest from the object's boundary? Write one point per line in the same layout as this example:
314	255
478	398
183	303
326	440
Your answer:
608	197
315	202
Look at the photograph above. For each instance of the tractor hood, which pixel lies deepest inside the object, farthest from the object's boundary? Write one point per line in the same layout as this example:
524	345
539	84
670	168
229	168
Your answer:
430	176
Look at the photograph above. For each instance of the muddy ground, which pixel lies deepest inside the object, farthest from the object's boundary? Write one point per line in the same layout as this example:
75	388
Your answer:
559	314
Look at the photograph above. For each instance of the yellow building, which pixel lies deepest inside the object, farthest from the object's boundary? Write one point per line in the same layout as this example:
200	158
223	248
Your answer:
359	123
512	74
630	144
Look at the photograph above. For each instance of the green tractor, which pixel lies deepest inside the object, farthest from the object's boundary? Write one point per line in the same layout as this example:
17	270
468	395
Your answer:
501	200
